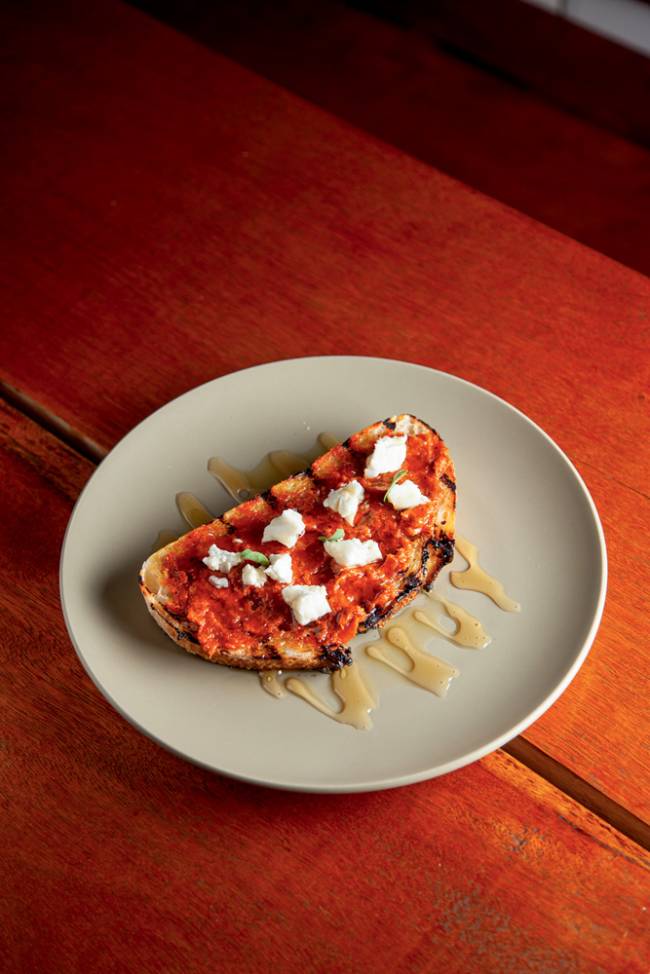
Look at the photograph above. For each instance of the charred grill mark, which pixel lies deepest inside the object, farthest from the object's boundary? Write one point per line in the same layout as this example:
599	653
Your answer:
426	553
335	656
412	582
270	498
373	619
189	636
444	545
269	650
449	482
426	556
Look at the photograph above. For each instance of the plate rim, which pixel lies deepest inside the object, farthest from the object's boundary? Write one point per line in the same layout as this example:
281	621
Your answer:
396	781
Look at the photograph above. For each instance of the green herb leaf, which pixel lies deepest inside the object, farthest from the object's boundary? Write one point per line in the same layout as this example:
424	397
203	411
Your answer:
338	535
257	556
396	479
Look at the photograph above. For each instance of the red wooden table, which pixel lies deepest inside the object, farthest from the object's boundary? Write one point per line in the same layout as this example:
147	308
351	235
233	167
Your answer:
170	217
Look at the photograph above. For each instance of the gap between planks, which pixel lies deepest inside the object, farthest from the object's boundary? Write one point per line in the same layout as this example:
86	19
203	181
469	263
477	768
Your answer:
50	422
579	790
519	748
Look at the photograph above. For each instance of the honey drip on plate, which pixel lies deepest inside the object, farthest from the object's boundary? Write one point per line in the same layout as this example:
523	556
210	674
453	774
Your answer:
192	510
426	671
163	539
270	681
275	466
348	684
478	580
469	632
325	442
193	513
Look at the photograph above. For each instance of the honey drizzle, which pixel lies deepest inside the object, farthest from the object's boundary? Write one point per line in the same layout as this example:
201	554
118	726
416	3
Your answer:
270	681
428	672
325	442
355	696
243	484
478	580
469	632
192	510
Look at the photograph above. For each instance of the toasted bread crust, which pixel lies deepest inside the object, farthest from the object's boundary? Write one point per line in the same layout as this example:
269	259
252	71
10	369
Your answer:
288	650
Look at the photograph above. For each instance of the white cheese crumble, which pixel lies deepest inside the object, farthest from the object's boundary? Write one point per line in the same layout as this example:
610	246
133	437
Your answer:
406	494
345	500
286	528
388	455
253	576
280	569
218	581
308	602
220	560
352	552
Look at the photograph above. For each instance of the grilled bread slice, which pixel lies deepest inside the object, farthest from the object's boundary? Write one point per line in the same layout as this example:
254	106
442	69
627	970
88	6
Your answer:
220	617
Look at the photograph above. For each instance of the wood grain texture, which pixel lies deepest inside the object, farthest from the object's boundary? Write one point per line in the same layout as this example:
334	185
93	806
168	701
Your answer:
184	218
477	126
176	238
580	70
600	726
117	856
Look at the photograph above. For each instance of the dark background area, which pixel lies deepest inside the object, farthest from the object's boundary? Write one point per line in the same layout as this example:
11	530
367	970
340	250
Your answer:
518	103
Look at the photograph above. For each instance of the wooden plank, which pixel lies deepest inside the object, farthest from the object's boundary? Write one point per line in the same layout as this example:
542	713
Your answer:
582	71
247	226
322	243
472	123
119	856
600	726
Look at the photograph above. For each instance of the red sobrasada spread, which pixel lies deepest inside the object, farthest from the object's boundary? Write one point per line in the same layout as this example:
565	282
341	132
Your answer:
239	616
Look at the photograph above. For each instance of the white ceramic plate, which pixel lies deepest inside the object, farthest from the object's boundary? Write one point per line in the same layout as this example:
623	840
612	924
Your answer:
519	499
